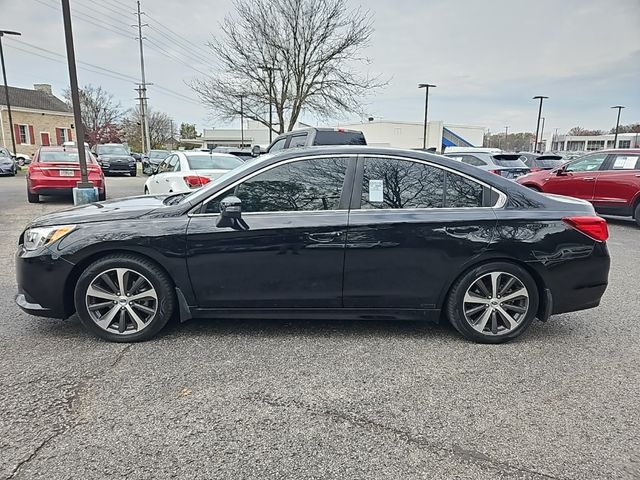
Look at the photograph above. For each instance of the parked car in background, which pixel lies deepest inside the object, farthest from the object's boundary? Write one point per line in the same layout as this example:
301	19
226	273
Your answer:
544	161
242	153
609	179
507	165
115	158
187	171
152	159
307	137
137	156
56	171
342	232
8	165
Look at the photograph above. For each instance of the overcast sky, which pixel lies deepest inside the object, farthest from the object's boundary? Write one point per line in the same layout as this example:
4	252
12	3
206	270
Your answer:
487	58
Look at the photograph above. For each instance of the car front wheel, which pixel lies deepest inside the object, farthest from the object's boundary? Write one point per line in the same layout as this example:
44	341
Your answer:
493	303
124	298
636	214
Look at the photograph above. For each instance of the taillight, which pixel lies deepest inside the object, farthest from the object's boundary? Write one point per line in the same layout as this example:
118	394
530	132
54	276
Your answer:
194	181
592	227
497	172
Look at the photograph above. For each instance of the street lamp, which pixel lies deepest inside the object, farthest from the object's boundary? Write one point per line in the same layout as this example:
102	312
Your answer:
615	139
542	131
541	98
6	87
426	108
506	134
85	191
270	69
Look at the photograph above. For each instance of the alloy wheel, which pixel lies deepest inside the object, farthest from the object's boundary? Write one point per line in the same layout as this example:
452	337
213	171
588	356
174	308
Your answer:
496	303
121	301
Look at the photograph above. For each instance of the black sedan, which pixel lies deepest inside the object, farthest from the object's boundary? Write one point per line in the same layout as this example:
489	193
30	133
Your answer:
345	232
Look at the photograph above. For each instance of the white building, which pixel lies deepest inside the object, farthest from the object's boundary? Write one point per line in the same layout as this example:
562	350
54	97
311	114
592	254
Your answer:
594	142
410	135
377	132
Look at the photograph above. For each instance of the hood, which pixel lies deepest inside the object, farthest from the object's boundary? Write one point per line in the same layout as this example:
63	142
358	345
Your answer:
6	160
120	209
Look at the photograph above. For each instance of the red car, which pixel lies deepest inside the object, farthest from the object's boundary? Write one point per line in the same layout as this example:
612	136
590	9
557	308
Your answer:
609	179
56	171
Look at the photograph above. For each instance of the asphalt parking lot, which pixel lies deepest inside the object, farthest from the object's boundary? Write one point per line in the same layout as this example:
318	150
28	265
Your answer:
314	399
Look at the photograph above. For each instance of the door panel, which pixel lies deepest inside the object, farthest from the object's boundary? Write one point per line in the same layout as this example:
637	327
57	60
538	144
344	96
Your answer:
419	226
618	185
578	178
282	260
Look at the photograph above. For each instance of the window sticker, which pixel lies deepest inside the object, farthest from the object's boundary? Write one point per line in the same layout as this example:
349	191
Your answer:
625	163
376	188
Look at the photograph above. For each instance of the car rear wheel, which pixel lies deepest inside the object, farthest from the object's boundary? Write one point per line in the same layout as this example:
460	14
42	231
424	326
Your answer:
102	196
493	303
636	214
534	188
124	298
33	197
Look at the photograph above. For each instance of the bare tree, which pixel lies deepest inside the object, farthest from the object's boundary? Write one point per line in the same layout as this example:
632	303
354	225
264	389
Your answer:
100	114
159	128
313	45
583	132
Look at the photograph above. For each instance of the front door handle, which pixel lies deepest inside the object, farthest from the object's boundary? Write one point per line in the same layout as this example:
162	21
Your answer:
589	179
327	237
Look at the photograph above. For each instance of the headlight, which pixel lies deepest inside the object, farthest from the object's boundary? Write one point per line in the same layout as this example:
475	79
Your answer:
35	238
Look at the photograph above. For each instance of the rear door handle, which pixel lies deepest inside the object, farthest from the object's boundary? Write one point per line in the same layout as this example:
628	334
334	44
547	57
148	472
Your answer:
461	230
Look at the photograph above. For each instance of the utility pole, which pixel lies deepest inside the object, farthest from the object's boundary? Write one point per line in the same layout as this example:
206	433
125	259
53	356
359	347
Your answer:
426	109
506	133
143	86
241	121
6	88
270	69
541	98
84	191
142	134
615	139
172	148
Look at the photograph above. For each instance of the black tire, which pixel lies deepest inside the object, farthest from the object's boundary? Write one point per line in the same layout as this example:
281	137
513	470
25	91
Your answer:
134	172
534	188
636	214
33	197
455	303
158	279
102	196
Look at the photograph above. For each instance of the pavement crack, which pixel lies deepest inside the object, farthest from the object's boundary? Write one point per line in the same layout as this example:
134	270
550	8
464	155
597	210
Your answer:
120	355
457	451
35	452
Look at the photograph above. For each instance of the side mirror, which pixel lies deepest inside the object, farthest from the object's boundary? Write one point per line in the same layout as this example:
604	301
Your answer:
561	171
256	150
231	207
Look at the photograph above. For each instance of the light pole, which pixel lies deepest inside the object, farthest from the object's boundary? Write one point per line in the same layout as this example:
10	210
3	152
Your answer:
541	98
506	134
426	86
85	191
542	131
241	121
615	139
6	88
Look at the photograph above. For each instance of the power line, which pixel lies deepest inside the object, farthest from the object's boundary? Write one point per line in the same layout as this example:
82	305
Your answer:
177	35
189	53
170	55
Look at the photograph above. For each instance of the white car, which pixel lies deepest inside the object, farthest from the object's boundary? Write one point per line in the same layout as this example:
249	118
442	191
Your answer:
189	170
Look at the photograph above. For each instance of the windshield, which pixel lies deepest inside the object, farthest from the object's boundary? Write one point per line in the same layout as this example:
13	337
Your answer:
211	162
111	150
70	156
549	163
158	154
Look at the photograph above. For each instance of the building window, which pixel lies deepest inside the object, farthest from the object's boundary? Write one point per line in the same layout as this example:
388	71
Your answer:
575	145
595	145
24	134
63	135
624	144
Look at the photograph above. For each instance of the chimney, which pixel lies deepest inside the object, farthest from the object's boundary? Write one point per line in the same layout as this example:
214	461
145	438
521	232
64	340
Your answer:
43	87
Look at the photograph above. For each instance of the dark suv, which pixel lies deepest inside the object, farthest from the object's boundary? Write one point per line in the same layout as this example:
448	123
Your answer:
308	137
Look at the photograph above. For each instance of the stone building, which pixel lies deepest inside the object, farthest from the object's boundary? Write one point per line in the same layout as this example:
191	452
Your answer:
39	118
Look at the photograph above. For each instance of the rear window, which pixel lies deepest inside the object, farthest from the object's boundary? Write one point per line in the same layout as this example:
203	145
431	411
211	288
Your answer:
336	137
213	162
67	156
511	161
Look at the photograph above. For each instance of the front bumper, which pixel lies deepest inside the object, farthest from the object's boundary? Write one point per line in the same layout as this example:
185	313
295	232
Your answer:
41	276
118	167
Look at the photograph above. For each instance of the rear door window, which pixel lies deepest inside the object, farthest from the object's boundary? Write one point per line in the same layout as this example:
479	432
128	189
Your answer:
624	162
475	161
338	137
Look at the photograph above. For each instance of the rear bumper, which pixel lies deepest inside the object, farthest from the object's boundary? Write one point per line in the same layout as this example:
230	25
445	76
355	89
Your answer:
60	186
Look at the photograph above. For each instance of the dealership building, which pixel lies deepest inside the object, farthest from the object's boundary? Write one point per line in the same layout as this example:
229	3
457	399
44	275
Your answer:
385	133
594	142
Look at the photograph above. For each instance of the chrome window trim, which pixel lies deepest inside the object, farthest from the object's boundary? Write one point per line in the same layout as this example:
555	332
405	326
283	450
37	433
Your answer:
502	197
265	169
